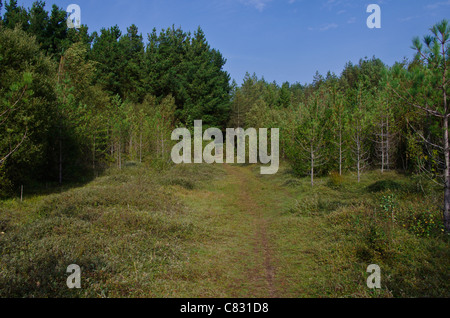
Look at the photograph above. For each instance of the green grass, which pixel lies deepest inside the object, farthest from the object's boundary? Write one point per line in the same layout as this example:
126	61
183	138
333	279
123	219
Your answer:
345	229
126	231
226	231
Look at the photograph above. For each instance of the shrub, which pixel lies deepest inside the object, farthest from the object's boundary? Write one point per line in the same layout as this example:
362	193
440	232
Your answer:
336	180
292	183
307	207
388	206
424	223
315	205
180	181
384	185
375	245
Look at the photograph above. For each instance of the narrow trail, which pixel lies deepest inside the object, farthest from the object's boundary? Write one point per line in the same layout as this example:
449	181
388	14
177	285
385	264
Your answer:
252	249
263	271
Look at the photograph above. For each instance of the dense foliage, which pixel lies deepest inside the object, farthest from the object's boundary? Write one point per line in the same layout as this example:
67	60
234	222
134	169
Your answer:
73	102
371	116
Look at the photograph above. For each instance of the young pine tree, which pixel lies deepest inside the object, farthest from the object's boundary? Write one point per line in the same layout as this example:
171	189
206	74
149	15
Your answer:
425	87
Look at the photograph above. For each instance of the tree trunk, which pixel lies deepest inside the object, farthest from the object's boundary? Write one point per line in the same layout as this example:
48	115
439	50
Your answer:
140	148
60	155
358	156
359	171
447	155
382	146
388	135
340	149
312	167
359	160
131	150
447	177
162	144
93	155
157	141
120	157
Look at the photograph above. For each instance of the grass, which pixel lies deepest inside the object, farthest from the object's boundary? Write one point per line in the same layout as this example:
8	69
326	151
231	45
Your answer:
226	231
125	230
345	229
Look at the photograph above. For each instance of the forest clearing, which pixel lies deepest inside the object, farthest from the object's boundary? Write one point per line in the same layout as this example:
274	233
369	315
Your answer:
138	162
202	231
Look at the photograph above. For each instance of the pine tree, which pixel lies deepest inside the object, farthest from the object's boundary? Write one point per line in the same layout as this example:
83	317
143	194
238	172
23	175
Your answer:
284	99
15	16
186	67
27	105
207	84
359	124
56	34
80	35
340	122
1	16
39	22
244	98
384	130
424	86
131	47
310	135
164	65
106	52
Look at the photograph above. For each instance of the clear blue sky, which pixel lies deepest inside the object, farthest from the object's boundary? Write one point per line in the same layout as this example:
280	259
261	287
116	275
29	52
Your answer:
282	40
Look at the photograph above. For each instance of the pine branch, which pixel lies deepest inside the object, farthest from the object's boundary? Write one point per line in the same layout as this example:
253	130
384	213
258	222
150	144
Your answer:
2	160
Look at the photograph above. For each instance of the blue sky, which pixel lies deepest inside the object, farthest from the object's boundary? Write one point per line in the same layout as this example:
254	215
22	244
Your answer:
282	40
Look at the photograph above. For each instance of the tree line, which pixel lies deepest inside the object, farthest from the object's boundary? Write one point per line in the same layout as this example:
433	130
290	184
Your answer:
74	102
371	116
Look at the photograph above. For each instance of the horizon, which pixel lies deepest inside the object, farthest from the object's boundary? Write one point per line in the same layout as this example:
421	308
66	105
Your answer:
240	30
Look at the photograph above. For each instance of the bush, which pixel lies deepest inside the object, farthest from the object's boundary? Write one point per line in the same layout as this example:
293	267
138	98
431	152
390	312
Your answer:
424	223
376	245
384	185
180	181
292	183
336	180
388	206
315	205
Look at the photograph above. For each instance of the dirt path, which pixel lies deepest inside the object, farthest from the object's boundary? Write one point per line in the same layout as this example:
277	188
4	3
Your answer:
251	248
263	271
